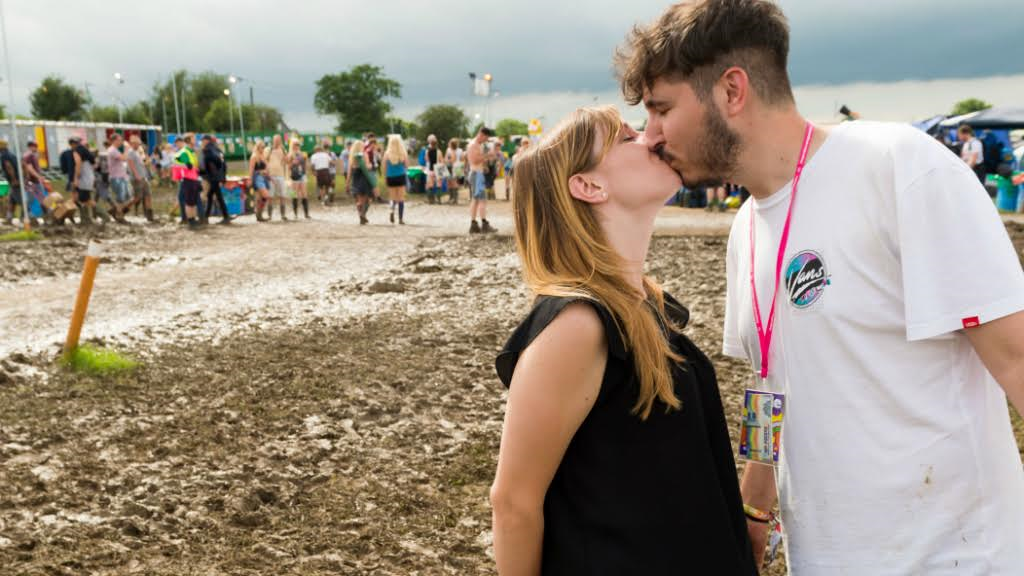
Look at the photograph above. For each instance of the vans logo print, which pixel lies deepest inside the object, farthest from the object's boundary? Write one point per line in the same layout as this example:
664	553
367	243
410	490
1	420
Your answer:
806	279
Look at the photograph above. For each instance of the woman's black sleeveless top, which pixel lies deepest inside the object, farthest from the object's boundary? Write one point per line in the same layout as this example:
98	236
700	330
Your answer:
654	497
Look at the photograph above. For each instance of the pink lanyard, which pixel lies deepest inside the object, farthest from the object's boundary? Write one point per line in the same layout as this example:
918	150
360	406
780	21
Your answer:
764	337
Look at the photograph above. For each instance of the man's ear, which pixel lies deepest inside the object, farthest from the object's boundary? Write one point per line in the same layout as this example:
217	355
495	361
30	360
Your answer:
584	187
736	87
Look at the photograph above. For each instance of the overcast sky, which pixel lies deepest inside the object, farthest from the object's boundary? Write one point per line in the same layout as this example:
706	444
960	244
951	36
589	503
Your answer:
546	56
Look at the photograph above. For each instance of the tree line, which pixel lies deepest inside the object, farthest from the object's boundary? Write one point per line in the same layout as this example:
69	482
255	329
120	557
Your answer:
201	102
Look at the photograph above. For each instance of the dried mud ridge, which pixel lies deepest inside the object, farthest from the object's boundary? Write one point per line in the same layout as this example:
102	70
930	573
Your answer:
61	251
356	445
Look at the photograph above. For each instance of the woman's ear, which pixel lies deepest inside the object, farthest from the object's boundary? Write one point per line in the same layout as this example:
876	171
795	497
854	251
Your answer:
585	188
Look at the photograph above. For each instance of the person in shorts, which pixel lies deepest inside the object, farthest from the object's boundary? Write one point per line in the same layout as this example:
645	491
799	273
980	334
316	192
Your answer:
117	171
83	184
260	181
35	182
359	181
297	179
478	183
10	165
277	168
396	166
140	177
321	164
192	189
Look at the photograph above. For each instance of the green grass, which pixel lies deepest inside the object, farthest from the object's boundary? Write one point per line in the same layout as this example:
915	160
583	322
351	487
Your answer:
99	361
21	236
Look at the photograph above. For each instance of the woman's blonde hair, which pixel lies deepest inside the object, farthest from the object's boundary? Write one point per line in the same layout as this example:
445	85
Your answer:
396	153
357	147
565	253
257	150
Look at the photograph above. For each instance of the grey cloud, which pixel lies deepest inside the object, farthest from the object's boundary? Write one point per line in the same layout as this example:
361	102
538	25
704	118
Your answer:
531	46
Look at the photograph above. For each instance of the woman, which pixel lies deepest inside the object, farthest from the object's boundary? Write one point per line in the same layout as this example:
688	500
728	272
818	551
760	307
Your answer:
360	180
396	166
615	455
456	177
297	171
432	158
166	160
260	183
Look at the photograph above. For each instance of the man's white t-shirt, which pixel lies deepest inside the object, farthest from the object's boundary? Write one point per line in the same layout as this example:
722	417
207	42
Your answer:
320	161
898	455
970	148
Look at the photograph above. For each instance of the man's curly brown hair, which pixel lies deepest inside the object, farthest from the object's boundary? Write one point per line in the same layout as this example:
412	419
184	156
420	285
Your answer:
699	40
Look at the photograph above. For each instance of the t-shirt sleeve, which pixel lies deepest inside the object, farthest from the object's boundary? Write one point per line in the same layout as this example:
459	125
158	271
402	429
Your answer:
959	266
731	344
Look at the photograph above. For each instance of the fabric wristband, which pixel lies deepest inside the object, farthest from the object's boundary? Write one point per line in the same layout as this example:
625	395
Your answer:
757	515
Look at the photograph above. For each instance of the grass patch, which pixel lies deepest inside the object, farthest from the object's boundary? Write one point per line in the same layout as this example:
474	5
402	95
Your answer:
99	361
21	236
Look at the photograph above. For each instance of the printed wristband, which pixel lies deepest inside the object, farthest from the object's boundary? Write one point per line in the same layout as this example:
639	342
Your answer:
757	515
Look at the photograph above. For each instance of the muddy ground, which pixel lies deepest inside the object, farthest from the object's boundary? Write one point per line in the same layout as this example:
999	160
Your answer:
314	398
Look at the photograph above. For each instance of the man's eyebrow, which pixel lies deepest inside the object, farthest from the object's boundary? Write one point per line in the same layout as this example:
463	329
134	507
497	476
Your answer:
653	103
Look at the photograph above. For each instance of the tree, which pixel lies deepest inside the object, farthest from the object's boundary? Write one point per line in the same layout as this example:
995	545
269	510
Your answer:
357	98
261	118
510	127
103	113
3	111
219	117
55	99
403	128
138	113
442	120
201	99
969	105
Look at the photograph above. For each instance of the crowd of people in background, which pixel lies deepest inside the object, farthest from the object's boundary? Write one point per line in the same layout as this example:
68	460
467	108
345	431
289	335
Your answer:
107	183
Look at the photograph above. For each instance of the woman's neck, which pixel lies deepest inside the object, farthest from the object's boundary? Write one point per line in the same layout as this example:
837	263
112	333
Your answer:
630	237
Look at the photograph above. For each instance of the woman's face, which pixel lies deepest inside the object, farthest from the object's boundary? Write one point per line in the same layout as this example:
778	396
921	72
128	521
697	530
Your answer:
632	174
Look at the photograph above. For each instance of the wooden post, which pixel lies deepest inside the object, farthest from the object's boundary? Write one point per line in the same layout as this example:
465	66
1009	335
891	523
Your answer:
92	261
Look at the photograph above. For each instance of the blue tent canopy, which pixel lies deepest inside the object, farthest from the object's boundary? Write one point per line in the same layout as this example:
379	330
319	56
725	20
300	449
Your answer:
1005	118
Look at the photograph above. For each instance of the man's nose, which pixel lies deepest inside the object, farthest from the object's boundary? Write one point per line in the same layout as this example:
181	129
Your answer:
652	136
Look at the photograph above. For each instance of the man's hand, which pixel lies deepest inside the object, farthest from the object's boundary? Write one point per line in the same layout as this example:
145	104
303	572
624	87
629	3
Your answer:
758	539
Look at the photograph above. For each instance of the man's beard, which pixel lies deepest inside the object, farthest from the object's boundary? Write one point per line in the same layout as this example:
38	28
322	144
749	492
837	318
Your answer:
718	149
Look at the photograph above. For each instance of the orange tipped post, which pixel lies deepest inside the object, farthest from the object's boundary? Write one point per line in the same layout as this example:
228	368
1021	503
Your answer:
92	261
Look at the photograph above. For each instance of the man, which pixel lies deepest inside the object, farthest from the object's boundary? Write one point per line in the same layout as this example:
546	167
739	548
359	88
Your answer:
140	177
118	171
972	152
187	165
83	185
899	327
67	162
214	173
35	182
477	182
321	162
10	166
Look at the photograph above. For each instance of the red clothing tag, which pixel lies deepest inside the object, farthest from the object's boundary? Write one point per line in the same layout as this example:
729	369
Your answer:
971	322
